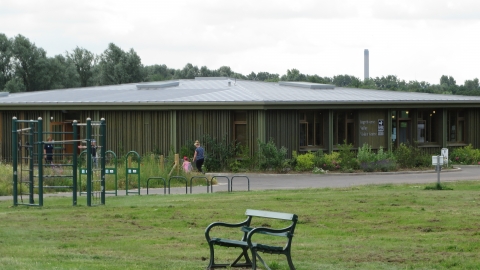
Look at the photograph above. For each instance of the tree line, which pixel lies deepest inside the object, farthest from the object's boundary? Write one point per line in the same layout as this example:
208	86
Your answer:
24	67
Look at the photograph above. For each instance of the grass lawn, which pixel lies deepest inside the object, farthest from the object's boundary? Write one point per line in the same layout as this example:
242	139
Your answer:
364	227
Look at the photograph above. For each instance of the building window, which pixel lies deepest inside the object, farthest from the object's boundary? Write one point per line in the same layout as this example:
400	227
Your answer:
427	125
456	126
401	127
343	127
240	128
311	129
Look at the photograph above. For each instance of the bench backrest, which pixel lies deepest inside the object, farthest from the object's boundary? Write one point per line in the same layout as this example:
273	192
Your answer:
269	214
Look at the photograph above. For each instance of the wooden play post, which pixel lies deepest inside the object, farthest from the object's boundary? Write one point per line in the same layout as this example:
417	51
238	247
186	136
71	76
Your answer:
162	162
177	163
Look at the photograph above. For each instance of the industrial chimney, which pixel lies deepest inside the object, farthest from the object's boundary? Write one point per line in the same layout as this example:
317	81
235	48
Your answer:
365	63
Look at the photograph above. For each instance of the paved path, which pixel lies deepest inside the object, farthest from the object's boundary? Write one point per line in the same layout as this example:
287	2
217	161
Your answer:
299	181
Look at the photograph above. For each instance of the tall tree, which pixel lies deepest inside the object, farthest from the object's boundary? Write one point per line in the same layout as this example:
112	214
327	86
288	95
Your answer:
225	71
29	63
117	66
346	81
112	66
265	76
6	71
83	61
158	73
189	71
63	73
472	85
133	67
205	72
447	80
294	75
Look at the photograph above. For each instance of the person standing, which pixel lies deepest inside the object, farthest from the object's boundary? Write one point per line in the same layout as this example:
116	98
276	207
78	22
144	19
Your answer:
199	156
94	153
48	151
187	166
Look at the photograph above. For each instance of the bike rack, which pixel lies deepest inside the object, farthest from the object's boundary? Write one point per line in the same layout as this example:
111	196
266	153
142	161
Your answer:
164	184
222	176
178	177
243	176
200	177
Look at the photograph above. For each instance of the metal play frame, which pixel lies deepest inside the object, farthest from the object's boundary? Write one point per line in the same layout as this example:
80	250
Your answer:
39	172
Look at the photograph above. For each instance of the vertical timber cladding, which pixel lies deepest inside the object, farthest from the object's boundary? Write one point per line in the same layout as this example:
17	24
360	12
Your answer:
283	128
196	125
253	131
473	124
372	128
141	131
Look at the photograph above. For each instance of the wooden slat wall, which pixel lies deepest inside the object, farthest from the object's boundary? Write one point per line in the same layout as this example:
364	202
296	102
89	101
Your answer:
283	127
252	131
141	131
472	123
194	125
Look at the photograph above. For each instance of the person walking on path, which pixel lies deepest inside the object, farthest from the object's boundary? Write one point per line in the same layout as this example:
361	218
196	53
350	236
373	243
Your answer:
48	151
199	156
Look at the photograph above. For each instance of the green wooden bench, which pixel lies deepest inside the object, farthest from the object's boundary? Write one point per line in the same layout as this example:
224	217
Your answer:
247	243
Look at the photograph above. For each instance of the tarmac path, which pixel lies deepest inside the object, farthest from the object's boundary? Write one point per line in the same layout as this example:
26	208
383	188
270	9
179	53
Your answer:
256	181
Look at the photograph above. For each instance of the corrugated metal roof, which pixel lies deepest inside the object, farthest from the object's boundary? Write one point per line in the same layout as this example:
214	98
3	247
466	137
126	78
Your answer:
218	91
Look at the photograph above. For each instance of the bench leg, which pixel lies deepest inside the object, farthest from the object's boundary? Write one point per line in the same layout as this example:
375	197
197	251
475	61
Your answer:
289	260
244	254
256	255
212	257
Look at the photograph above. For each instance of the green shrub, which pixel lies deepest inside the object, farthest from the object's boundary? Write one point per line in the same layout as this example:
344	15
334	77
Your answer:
6	177
317	159
408	156
247	161
404	157
218	154
188	150
305	162
271	157
423	160
371	161
235	166
385	161
465	155
348	159
330	162
366	158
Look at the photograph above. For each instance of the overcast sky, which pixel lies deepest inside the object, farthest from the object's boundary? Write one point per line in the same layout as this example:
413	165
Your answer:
412	39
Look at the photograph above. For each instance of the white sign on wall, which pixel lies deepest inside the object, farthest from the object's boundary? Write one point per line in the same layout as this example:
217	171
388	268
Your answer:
381	127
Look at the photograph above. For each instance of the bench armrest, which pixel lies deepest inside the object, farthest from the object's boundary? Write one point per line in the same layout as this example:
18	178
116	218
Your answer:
224	224
285	232
274	232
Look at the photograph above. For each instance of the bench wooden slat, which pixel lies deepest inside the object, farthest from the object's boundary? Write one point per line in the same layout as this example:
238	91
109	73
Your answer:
229	242
270	214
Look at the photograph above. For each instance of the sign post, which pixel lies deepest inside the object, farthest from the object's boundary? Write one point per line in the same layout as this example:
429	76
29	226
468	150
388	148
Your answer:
438	162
